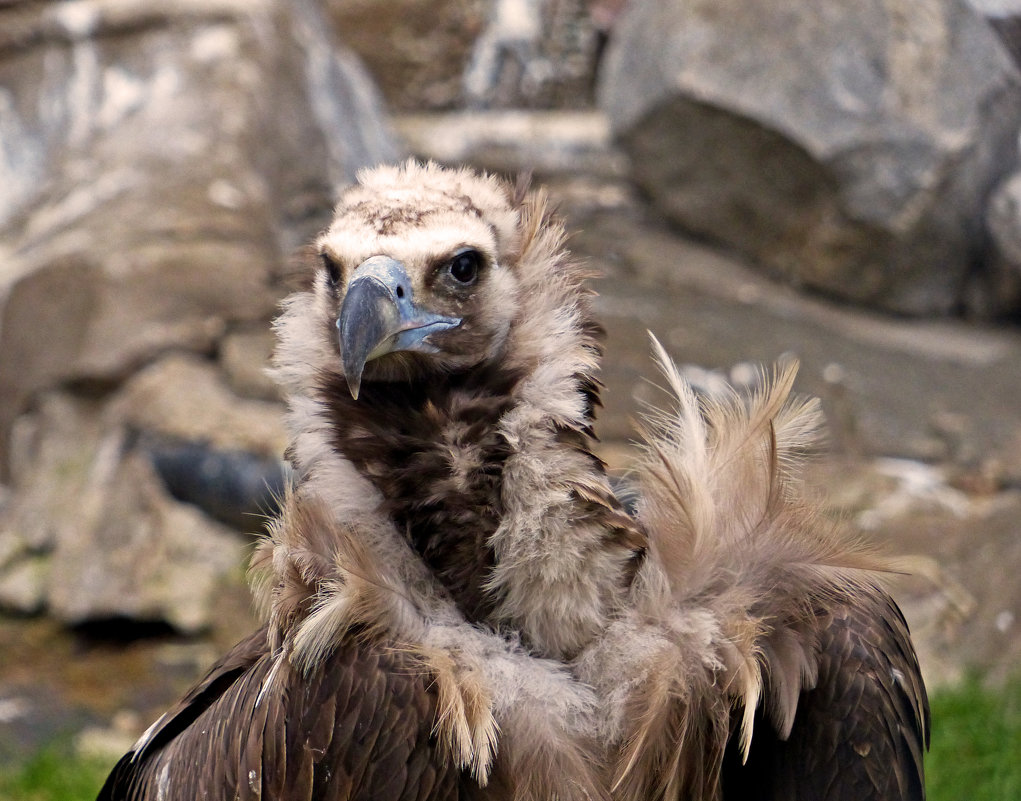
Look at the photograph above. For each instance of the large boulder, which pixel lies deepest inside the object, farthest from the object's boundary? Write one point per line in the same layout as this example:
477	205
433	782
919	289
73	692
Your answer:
849	147
1005	17
92	535
417	50
158	164
533	54
128	506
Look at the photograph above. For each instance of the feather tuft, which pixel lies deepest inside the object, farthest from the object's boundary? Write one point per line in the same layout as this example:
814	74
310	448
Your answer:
739	563
464	719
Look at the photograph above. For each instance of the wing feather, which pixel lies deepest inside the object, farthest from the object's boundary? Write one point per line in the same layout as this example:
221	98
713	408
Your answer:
358	722
860	732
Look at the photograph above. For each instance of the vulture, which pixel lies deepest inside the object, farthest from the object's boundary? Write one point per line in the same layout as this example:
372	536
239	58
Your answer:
457	603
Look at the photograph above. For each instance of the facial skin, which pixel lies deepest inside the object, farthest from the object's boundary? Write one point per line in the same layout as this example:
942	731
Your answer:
413	292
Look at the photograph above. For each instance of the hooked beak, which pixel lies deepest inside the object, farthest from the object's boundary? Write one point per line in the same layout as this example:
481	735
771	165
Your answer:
379	316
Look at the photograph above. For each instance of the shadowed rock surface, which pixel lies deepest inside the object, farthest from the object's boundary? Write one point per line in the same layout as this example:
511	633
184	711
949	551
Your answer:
1003	221
439	55
1005	18
236	488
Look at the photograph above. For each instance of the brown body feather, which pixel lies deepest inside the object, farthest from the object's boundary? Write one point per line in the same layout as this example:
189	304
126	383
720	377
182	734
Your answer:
228	739
434	454
458	604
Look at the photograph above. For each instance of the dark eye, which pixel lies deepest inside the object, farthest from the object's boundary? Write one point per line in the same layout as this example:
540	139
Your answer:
332	268
464	267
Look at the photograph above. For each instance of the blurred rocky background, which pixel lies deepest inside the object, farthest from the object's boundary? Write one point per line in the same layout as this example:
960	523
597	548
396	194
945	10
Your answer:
838	181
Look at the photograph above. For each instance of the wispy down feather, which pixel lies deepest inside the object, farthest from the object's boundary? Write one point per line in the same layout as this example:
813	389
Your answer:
738	562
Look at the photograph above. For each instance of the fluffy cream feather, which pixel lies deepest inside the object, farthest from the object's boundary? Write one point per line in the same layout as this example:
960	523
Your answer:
319	580
723	605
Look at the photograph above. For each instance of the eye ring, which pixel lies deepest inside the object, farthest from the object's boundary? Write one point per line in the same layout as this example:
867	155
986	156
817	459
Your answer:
465	265
331	267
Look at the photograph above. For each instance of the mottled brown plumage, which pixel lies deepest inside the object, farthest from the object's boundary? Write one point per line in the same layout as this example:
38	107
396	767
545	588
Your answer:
401	437
457	603
222	742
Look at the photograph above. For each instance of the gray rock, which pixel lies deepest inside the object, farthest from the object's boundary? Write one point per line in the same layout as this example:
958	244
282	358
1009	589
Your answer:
158	163
238	488
933	390
23	584
1005	18
150	559
209	447
996	9
437	55
1003	220
846	146
533	54
186	398
244	358
416	49
507	141
115	498
91	534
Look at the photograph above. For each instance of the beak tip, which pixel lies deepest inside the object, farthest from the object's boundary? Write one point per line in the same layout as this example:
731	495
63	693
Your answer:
354	385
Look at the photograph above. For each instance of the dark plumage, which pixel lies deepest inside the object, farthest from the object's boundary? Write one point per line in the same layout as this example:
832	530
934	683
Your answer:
365	695
400	437
457	603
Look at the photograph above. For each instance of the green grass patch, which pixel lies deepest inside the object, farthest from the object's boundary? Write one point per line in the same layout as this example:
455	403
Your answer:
976	743
54	774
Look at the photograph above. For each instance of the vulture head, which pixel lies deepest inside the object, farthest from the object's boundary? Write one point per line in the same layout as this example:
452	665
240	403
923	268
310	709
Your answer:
417	278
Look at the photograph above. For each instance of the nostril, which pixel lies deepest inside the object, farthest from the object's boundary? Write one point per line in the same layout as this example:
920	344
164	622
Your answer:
400	291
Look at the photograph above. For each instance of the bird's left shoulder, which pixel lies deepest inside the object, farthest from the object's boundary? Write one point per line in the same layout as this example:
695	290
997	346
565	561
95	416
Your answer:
860	733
